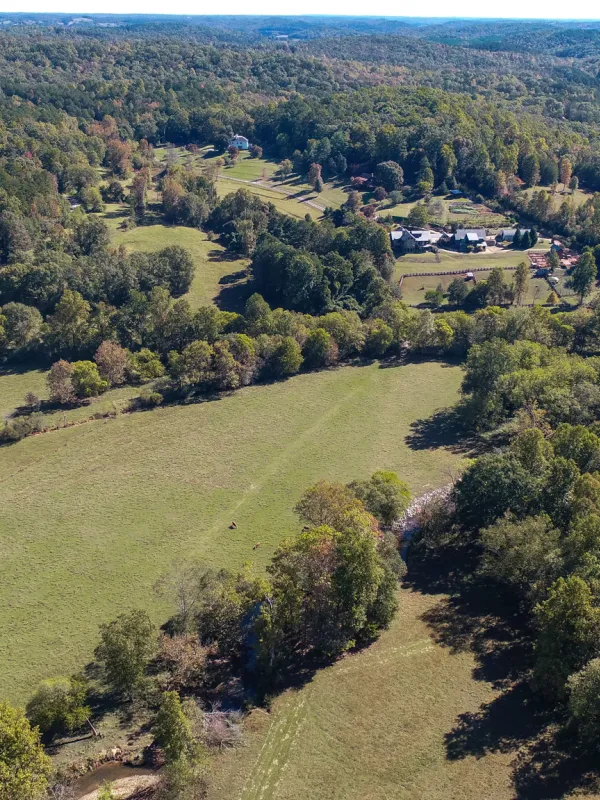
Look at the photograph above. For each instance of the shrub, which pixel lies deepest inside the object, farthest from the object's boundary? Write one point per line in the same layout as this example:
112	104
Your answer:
319	349
18	428
86	379
59	705
144	366
148	399
379	338
32	400
584	702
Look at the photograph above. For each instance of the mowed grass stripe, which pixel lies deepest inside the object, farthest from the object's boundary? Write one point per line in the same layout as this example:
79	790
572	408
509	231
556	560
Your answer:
374	725
92	515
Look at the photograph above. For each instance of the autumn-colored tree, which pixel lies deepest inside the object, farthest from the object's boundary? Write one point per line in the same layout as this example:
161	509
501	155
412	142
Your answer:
314	175
111	359
565	171
59	383
118	157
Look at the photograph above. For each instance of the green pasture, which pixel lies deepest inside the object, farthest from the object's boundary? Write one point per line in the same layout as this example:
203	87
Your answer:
93	514
381	723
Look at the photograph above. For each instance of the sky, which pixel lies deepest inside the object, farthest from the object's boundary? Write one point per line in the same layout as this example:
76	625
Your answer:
512	9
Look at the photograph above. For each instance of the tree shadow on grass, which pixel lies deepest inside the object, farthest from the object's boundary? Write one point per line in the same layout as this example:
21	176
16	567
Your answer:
552	767
233	277
476	616
220	256
233	296
507	723
445	428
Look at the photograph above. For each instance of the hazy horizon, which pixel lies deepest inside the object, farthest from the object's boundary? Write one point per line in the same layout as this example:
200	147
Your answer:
578	10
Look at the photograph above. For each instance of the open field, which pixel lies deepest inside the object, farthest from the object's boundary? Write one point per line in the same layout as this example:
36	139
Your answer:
579	196
287	206
15	385
413	289
448	260
250	169
93	514
378	724
213	265
254	169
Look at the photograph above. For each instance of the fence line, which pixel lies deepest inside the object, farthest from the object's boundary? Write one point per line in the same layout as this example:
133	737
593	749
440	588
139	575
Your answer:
451	272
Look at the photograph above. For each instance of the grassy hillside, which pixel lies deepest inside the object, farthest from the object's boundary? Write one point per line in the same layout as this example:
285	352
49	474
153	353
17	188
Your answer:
214	267
93	514
383	723
282	203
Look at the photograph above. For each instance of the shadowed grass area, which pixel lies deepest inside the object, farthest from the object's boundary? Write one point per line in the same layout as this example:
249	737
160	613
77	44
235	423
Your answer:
373	725
439	707
93	514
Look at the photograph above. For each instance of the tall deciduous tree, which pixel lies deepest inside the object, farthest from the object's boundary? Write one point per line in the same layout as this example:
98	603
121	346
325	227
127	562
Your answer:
569	629
126	646
24	767
111	359
390	175
384	495
59	382
583	275
565	171
521	282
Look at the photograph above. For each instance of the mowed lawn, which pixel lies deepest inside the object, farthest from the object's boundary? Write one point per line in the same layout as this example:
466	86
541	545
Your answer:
294	208
93	514
375	725
414	289
446	260
210	258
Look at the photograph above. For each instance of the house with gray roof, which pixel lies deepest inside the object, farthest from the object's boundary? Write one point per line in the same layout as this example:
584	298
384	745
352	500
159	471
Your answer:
508	234
415	241
467	237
